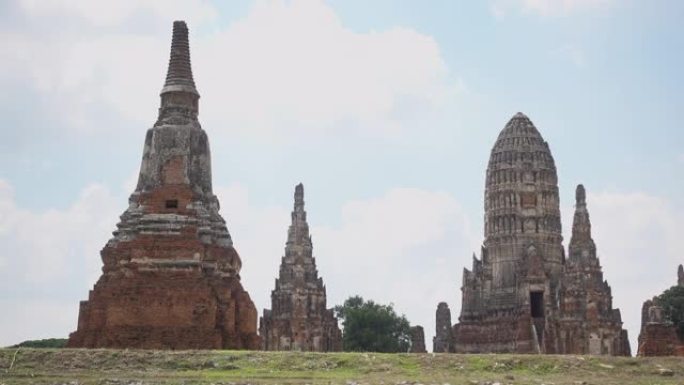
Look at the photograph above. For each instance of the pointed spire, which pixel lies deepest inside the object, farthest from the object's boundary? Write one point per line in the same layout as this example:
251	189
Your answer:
179	97
680	276
581	243
299	197
580	196
180	70
298	233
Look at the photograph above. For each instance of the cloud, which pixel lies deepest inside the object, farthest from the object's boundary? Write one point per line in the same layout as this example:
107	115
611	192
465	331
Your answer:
406	247
49	258
638	244
547	8
287	65
117	12
259	234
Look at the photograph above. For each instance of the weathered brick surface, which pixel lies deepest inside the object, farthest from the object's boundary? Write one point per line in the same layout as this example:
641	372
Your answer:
170	276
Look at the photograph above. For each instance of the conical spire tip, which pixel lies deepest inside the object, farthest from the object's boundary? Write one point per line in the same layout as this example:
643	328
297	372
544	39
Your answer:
179	74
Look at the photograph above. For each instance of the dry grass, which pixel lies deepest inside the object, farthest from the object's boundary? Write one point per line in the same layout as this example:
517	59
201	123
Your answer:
112	367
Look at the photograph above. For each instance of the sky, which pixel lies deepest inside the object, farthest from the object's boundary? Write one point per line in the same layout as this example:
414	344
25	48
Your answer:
386	111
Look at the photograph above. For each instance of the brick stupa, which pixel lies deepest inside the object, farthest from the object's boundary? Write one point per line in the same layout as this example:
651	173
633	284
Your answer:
171	275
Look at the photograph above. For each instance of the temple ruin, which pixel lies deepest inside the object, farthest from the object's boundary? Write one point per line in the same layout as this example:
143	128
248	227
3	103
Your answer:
441	343
658	335
298	318
171	276
417	340
522	296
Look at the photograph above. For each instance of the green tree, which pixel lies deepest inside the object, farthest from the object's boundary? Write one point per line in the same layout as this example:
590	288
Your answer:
372	327
672	302
47	343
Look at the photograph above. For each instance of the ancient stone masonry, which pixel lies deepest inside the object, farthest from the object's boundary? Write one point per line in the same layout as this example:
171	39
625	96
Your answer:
514	297
441	343
298	318
658	336
171	275
588	322
417	340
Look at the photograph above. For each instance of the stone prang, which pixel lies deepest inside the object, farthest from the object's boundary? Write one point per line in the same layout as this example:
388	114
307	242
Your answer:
680	276
417	340
589	324
516	298
171	276
441	343
298	318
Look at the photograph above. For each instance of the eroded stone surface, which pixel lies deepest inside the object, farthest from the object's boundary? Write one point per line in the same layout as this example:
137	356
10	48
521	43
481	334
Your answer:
441	343
417	340
522	296
298	318
170	278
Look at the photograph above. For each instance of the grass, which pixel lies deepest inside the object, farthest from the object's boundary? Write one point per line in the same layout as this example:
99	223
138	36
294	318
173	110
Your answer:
113	367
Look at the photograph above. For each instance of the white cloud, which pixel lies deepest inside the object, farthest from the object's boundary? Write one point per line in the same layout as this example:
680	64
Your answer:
105	14
259	234
548	7
286	65
638	243
50	258
407	247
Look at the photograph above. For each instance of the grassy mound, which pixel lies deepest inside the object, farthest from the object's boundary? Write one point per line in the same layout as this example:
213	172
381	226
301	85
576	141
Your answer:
78	366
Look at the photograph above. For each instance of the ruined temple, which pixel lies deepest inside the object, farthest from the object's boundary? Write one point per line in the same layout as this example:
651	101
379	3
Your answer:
521	295
171	276
588	322
417	340
298	318
441	343
658	335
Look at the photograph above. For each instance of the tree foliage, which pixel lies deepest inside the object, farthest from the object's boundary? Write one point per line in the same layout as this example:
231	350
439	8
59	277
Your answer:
372	327
46	343
672	302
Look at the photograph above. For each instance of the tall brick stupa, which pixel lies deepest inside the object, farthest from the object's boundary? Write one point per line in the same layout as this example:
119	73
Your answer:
171	276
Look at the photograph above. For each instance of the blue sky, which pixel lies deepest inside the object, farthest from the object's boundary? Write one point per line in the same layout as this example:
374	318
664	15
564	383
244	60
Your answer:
385	110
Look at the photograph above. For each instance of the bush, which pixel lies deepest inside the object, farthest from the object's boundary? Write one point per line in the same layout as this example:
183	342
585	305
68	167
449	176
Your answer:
46	343
371	327
672	302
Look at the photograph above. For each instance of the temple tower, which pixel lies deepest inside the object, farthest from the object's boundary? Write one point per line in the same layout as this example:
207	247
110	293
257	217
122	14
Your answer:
298	318
588	324
522	295
509	295
171	276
